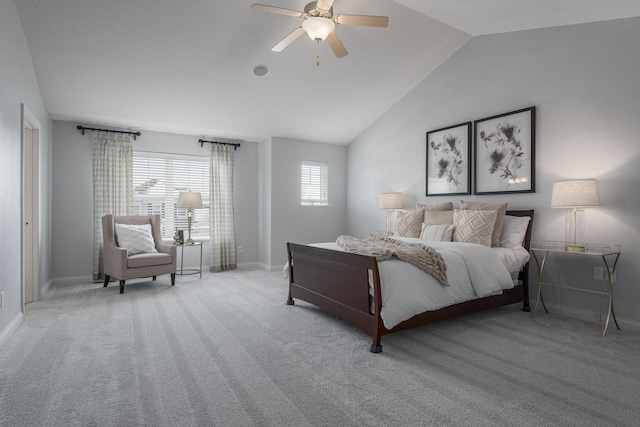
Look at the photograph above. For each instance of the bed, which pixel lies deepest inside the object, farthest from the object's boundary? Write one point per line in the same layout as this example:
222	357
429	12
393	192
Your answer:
348	286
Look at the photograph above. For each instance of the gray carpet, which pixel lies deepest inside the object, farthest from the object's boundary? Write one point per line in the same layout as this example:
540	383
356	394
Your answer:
227	351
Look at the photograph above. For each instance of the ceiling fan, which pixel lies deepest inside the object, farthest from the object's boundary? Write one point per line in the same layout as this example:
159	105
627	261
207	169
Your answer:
320	23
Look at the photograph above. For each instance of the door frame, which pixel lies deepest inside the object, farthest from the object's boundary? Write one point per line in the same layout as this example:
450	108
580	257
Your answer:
30	254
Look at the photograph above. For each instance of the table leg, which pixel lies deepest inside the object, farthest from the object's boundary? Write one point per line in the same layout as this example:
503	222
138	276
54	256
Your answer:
610	310
540	267
181	259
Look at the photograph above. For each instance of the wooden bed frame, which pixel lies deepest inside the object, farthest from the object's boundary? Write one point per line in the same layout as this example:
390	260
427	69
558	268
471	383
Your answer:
338	282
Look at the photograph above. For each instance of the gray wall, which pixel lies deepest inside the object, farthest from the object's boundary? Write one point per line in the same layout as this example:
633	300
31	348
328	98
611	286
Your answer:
584	81
72	205
267	197
303	224
18	85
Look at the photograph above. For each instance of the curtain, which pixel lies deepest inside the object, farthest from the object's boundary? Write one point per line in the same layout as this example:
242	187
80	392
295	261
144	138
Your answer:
222	251
112	185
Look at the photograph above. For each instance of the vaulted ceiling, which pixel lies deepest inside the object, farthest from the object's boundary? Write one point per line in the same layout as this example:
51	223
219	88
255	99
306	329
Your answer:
186	67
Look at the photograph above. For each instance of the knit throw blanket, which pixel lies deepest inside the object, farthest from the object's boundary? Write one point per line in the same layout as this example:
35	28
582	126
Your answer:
382	247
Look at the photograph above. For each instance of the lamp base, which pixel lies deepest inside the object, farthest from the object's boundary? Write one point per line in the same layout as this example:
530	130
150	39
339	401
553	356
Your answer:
574	248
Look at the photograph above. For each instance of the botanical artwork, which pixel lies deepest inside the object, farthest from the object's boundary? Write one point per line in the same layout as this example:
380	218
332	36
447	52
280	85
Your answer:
504	153
448	160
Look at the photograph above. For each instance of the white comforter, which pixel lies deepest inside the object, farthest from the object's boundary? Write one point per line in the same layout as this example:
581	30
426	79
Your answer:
473	271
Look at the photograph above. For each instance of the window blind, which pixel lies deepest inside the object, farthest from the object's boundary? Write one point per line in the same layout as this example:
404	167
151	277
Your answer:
314	177
158	179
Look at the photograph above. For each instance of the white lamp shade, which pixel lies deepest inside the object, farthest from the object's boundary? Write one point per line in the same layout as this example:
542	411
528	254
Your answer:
190	200
576	193
391	201
318	28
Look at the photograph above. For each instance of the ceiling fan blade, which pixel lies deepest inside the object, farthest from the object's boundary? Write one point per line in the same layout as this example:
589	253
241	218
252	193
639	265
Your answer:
288	40
324	4
336	45
278	10
365	20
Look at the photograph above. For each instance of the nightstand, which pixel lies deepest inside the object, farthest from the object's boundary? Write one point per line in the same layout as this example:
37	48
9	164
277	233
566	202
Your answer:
190	270
609	255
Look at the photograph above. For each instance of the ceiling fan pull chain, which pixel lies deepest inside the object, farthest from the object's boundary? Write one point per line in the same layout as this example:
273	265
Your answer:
317	59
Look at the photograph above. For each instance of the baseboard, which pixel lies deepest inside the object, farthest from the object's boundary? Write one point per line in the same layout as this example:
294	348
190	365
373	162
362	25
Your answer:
71	280
589	316
9	330
248	266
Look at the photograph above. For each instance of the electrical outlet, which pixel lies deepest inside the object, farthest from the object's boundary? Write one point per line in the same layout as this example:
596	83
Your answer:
2	299
239	249
598	273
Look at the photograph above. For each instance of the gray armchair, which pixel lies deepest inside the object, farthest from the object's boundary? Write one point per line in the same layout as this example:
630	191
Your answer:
120	265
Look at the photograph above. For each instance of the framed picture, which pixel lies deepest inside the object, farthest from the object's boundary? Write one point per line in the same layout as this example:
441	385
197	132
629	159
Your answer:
449	160
505	153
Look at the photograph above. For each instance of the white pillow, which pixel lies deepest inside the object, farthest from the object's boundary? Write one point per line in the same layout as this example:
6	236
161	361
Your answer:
474	226
437	233
136	239
513	231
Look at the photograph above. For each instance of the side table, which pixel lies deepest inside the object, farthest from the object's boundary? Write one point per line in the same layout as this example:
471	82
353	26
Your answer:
190	270
608	253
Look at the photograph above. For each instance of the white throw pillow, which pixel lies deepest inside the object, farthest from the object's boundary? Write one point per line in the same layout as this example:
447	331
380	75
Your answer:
513	231
474	226
136	239
437	233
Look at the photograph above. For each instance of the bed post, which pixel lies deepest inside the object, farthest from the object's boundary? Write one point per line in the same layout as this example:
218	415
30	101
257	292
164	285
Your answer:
525	270
290	267
376	347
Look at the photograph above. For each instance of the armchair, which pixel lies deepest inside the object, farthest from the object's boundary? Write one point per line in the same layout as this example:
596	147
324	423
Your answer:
120	264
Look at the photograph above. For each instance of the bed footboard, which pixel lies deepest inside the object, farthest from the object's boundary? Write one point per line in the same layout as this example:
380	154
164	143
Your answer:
338	282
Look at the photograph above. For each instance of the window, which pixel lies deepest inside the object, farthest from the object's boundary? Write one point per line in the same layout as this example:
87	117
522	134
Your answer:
314	177
159	178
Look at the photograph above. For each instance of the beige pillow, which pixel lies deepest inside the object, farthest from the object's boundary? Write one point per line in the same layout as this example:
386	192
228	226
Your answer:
437	233
502	211
437	217
446	206
474	226
409	223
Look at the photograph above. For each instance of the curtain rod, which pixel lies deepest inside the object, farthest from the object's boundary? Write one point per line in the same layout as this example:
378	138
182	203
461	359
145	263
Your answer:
235	144
83	128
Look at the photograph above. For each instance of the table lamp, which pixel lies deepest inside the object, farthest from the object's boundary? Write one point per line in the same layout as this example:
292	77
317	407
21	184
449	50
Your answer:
573	195
190	200
390	202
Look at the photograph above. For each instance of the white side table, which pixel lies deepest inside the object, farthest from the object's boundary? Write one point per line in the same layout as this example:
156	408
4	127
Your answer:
608	254
190	270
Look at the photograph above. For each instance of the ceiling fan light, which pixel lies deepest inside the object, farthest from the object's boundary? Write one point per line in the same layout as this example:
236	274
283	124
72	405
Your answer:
318	28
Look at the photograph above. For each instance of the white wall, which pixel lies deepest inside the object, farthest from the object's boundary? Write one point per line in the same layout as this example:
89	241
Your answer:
18	85
72	207
289	220
584	81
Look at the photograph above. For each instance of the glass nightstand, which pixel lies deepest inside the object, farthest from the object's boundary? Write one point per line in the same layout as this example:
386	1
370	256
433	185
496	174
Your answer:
609	254
190	270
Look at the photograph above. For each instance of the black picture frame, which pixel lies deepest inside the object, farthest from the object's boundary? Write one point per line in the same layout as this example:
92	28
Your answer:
449	160
504	153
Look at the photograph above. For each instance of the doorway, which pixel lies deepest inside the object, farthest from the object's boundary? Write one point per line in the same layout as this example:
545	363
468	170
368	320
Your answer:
30	206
